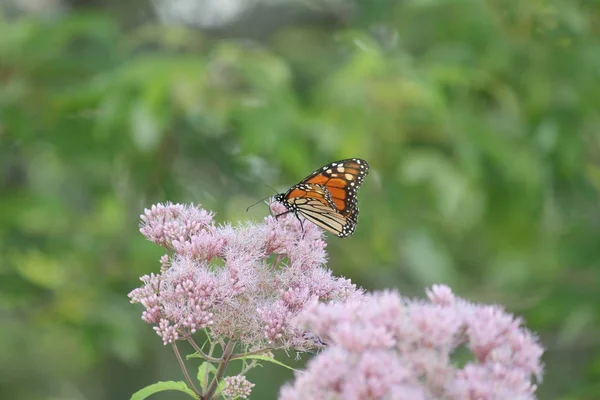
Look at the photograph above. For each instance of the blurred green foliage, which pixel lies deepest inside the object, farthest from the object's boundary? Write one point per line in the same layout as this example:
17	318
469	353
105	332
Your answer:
479	118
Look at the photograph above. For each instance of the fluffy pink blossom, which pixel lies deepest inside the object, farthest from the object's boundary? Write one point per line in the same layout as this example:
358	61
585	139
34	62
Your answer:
165	223
237	387
384	346
245	282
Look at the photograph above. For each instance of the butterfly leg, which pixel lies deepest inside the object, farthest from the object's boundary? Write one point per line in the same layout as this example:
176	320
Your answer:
283	213
301	224
299	220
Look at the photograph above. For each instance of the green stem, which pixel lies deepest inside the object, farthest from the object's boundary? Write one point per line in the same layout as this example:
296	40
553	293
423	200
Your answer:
227	352
199	351
251	353
248	367
185	373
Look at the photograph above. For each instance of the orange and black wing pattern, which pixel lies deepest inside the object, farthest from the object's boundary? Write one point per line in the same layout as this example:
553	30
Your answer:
342	179
327	197
312	191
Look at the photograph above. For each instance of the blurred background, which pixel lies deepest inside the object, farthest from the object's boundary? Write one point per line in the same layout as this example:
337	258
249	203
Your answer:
480	119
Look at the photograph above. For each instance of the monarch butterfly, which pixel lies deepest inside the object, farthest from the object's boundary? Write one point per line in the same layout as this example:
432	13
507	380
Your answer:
327	197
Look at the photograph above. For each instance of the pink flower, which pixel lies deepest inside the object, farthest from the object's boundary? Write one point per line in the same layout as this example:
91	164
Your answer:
337	373
384	346
237	386
244	282
165	223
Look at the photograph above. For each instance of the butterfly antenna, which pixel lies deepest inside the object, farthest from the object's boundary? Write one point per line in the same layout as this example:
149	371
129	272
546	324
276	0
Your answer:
276	192
257	203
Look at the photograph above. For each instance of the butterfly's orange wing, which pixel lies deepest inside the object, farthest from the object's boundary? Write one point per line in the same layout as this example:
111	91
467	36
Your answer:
327	197
312	191
342	179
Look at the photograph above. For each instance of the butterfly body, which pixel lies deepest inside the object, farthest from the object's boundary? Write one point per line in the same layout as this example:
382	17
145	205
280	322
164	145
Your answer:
327	197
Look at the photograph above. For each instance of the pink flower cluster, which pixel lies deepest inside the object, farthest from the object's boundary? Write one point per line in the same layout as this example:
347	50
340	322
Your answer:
237	387
244	282
384	346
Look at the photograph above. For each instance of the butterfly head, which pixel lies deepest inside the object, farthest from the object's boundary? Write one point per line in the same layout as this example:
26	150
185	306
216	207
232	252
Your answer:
279	197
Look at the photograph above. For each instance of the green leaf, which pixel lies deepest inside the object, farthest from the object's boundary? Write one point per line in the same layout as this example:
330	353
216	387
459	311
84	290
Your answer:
203	371
220	388
268	359
161	387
